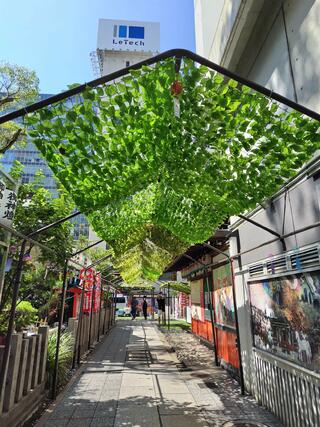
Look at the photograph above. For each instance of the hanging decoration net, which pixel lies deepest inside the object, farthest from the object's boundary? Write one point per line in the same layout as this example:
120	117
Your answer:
159	159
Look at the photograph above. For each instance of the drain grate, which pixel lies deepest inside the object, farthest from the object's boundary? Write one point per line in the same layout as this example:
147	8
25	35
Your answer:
243	423
208	384
139	355
182	367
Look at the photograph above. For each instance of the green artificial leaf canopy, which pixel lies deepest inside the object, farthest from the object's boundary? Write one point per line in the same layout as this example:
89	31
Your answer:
153	181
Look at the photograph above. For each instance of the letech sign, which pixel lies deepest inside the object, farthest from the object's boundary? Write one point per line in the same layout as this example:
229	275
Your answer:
128	35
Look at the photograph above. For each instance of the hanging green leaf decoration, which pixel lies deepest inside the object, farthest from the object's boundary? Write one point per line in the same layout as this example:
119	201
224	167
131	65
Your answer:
141	173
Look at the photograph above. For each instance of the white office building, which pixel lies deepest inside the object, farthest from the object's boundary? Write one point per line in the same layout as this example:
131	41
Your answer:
123	43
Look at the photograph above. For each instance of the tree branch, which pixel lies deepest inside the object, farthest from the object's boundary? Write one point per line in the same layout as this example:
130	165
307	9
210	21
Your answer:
11	141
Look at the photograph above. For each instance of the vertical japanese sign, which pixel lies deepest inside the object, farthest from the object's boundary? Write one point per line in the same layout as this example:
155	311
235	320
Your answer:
87	278
97	292
8	204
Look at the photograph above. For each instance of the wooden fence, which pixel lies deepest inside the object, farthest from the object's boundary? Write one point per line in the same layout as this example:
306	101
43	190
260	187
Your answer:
101	322
26	376
25	385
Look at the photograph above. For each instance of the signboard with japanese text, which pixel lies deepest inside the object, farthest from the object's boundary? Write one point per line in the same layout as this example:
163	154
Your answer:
97	292
92	284
8	204
87	280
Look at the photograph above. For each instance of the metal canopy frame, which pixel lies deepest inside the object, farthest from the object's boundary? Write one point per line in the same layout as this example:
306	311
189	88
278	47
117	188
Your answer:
16	287
212	313
173	53
178	54
63	299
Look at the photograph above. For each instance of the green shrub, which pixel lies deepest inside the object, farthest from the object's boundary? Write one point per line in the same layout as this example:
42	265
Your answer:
65	356
26	315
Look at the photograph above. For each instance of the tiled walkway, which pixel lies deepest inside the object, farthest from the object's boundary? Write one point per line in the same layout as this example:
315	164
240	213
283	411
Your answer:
133	380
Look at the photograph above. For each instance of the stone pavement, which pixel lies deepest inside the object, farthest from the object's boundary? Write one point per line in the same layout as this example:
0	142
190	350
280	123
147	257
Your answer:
133	379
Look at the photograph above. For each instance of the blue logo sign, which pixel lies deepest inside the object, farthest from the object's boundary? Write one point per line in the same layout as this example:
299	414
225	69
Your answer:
132	32
127	32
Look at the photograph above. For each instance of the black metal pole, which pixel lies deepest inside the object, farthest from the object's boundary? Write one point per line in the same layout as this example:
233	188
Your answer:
205	267
15	292
269	230
91	316
105	309
61	315
236	318
115	307
86	248
99	317
169	307
53	224
152	304
79	329
110	309
214	340
237	329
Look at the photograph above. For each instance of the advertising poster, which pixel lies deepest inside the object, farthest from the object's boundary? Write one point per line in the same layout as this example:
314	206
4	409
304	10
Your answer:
286	317
197	311
223	296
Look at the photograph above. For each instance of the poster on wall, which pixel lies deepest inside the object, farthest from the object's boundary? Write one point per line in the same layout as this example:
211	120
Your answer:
197	311
285	316
223	296
223	299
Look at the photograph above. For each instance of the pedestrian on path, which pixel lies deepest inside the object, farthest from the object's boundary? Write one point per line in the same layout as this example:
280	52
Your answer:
134	304
161	308
145	307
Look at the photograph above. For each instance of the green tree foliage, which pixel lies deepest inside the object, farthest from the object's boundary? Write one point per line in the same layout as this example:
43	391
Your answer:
26	315
42	269
18	87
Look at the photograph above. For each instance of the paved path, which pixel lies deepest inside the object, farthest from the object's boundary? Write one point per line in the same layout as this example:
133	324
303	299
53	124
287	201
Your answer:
133	379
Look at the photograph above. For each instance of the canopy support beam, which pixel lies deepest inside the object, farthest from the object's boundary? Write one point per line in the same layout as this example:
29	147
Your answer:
269	230
235	316
173	53
61	316
212	314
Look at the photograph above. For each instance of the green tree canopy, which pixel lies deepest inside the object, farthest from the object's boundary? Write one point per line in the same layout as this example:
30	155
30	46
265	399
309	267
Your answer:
18	87
36	208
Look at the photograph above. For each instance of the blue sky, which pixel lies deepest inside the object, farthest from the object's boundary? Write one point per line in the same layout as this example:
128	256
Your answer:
55	37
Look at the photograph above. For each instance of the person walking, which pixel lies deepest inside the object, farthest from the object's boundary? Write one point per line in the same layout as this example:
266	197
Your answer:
134	304
161	308
145	307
